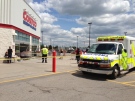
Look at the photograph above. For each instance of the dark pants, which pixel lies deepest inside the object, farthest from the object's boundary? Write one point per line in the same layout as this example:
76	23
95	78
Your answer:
44	58
77	58
9	58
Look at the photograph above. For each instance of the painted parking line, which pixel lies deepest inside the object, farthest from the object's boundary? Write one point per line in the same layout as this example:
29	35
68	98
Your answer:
128	82
73	71
122	83
19	79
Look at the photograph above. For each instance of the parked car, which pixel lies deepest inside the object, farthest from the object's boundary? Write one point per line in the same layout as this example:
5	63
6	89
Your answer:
70	51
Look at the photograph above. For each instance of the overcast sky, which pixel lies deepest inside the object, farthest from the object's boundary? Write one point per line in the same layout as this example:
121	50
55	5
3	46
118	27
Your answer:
64	20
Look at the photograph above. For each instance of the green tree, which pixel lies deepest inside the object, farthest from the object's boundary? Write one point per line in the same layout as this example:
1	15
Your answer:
50	47
42	46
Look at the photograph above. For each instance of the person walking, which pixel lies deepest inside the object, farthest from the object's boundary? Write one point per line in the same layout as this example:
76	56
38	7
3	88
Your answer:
9	54
77	54
61	54
44	54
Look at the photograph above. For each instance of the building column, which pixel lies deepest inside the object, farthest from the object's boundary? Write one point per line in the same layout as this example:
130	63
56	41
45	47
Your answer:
30	49
13	41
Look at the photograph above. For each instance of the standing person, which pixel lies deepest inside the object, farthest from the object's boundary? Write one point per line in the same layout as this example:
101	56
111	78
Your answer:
44	54
9	54
61	54
87	49
77	54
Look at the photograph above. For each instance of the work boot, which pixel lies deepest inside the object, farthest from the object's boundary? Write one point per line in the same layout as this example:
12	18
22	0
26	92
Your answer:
45	61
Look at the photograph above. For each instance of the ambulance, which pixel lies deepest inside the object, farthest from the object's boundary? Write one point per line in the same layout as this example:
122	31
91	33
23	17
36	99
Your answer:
110	55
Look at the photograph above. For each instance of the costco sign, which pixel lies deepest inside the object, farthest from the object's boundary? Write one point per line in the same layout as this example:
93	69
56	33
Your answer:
28	20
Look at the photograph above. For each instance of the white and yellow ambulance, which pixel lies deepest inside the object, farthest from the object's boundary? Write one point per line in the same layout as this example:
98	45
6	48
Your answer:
109	55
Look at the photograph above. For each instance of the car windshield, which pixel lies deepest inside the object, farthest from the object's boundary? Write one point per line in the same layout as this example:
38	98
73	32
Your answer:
103	48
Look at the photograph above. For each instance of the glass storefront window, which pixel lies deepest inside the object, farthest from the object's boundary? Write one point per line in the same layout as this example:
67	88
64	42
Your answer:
22	37
17	49
35	40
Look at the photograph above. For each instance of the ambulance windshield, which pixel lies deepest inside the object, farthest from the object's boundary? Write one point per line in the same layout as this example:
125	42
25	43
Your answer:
103	48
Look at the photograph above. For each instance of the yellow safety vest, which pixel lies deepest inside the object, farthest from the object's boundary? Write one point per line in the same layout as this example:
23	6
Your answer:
45	51
124	60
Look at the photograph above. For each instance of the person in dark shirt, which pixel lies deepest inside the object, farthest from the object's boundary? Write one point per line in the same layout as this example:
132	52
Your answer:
61	54
77	54
9	54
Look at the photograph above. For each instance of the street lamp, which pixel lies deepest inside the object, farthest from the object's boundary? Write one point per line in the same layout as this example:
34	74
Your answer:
125	33
51	41
89	31
42	37
77	41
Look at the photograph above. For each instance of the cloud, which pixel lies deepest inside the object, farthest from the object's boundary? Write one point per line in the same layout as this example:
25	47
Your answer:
108	17
47	18
90	7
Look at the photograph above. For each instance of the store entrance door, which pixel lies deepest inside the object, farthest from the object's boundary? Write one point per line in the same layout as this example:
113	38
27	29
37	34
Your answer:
24	49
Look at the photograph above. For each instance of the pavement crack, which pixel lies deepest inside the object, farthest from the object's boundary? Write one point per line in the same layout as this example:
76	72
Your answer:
39	88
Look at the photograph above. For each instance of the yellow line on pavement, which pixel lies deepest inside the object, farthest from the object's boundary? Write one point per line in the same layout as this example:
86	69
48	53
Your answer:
73	71
128	82
19	79
123	83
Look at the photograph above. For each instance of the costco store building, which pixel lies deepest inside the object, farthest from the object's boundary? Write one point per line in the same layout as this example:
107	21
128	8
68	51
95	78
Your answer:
20	27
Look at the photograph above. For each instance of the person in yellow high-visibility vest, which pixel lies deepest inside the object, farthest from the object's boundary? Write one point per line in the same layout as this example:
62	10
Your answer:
44	54
124	59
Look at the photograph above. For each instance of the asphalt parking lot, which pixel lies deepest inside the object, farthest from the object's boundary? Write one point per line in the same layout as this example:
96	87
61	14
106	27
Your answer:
70	86
34	68
38	79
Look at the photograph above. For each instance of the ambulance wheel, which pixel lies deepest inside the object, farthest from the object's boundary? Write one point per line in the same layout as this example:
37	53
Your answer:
115	73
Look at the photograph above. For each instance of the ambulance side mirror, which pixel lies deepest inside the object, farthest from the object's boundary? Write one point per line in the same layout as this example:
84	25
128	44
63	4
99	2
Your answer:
125	50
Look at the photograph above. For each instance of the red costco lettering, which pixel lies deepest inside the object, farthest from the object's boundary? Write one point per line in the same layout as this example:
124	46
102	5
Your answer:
24	15
29	19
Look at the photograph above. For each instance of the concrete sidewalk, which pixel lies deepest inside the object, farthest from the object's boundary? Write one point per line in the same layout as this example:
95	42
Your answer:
34	67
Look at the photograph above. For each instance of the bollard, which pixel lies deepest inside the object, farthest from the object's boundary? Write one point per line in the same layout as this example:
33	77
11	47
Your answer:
54	61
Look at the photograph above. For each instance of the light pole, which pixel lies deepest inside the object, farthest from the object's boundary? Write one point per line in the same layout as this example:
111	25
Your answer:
89	31
125	33
77	41
42	37
51	43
